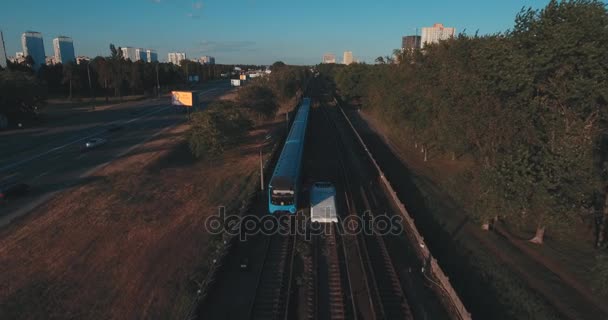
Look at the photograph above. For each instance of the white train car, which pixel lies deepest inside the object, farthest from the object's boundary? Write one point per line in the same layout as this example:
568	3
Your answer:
323	203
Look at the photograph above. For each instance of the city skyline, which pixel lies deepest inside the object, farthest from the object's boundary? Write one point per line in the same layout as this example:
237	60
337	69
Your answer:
175	25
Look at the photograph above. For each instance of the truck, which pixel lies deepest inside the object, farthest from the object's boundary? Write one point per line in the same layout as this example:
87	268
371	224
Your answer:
323	203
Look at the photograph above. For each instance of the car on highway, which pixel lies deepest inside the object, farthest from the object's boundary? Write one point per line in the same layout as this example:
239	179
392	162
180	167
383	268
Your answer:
13	190
244	264
95	142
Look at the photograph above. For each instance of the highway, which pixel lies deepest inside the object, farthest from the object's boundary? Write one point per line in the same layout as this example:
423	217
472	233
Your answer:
50	159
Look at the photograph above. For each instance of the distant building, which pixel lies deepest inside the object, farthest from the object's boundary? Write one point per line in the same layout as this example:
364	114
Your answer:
141	54
176	57
435	34
64	50
329	58
33	46
81	59
207	60
2	51
50	61
151	55
18	58
348	57
133	54
410	42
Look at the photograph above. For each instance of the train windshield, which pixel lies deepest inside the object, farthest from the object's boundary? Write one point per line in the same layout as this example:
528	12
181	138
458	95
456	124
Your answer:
282	197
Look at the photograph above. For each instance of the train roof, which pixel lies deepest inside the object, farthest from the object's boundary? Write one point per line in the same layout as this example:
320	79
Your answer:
288	165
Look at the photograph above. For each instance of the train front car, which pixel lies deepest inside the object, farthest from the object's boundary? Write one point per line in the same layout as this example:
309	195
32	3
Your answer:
285	182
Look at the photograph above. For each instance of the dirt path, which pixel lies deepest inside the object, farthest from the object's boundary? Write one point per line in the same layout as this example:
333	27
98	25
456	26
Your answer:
547	277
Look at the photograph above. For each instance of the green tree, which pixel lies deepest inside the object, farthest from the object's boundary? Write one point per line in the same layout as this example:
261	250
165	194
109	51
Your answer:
104	72
259	99
70	76
117	67
216	129
21	94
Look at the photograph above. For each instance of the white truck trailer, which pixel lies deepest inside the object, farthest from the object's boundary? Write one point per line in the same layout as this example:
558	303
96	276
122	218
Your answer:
323	203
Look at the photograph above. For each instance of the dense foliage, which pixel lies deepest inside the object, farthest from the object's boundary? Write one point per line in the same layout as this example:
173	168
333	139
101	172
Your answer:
527	107
20	93
219	126
259	99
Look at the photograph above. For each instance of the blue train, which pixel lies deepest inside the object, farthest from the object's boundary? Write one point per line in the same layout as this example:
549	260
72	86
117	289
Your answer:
285	182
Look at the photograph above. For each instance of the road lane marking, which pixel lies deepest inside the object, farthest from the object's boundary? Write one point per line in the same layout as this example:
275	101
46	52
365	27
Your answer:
18	163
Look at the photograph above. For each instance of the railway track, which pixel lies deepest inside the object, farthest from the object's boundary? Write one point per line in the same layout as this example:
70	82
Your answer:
274	283
392	302
386	295
331	289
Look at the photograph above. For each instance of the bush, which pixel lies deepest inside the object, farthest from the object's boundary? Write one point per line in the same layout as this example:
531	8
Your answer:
216	128
259	99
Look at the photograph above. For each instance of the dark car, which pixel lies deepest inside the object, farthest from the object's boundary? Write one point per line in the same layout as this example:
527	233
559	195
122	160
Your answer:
244	264
13	190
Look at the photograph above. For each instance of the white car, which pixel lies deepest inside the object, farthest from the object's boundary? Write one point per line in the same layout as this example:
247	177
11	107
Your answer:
95	142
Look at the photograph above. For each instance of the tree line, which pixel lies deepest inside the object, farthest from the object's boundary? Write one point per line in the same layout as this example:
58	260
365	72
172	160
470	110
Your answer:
24	90
527	107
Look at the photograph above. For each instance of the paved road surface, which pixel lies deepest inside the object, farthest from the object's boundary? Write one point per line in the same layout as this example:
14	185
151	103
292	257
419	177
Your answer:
50	159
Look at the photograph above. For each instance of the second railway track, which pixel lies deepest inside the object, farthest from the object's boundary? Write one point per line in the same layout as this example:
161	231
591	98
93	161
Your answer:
274	283
386	295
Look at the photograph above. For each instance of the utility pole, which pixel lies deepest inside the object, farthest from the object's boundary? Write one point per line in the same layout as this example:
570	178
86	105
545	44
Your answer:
89	75
287	121
261	170
157	82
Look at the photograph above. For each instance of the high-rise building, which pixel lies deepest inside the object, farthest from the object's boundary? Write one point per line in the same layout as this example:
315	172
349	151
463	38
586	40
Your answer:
64	50
141	55
33	46
207	60
133	54
151	55
435	34
329	58
2	51
348	57
176	57
410	42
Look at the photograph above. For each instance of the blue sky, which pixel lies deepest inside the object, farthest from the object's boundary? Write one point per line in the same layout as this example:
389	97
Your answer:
249	31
